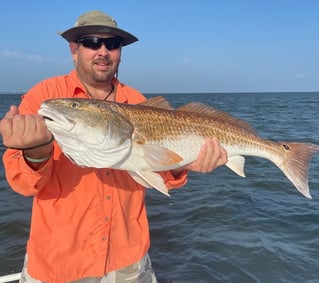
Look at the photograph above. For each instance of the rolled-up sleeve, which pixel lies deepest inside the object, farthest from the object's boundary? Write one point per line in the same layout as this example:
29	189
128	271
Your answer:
174	182
21	178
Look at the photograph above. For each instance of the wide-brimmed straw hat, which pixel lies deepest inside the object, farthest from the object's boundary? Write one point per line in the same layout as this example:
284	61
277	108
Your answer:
96	22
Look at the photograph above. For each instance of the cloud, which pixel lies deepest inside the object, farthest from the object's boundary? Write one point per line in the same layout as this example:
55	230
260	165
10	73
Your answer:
18	55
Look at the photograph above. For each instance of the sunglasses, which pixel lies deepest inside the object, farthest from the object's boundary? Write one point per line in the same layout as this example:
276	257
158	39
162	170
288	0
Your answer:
95	43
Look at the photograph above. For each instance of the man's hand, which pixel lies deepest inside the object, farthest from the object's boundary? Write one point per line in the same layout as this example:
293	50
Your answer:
25	131
211	156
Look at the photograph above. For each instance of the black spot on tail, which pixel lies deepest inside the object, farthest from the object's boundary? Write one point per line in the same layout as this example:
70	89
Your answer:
286	147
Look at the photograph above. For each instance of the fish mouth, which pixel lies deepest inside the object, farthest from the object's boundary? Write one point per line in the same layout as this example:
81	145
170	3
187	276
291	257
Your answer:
55	120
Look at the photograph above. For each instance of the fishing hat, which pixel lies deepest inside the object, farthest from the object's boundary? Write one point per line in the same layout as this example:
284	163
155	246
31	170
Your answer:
96	22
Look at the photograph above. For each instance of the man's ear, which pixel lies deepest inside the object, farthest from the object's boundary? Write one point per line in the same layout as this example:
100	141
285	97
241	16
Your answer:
74	47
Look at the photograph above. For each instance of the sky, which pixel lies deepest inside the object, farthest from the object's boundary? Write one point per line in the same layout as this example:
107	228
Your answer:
184	46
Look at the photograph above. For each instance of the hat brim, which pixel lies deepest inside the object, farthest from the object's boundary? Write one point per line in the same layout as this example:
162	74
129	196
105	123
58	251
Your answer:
74	33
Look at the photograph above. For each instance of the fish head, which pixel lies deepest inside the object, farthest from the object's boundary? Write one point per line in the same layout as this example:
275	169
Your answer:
87	125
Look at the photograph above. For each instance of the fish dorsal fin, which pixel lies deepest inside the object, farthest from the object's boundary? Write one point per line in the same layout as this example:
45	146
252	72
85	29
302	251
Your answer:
215	113
158	102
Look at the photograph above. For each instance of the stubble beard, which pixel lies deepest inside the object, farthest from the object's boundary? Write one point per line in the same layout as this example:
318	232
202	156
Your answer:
106	75
94	76
103	77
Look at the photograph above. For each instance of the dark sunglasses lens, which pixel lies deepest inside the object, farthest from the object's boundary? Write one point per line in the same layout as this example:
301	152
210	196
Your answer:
92	43
112	43
96	42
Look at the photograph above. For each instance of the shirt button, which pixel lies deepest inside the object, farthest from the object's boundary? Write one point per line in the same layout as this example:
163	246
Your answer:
107	173
108	197
106	218
104	238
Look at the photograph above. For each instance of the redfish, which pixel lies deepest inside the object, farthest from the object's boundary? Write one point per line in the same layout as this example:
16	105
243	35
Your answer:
149	137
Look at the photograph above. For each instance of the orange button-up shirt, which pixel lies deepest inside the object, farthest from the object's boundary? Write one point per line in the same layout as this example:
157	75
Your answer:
85	221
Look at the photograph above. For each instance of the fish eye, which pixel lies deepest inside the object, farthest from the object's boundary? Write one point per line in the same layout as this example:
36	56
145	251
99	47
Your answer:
74	105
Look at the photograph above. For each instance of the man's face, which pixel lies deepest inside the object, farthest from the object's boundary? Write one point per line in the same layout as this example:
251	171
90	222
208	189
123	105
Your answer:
95	63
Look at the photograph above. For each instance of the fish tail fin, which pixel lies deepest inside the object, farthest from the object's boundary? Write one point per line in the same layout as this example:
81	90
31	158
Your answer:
295	164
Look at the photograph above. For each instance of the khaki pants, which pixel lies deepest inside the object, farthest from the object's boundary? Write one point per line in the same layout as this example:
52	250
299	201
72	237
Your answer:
139	272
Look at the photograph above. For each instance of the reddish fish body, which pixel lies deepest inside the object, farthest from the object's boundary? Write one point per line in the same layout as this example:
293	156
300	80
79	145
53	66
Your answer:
152	136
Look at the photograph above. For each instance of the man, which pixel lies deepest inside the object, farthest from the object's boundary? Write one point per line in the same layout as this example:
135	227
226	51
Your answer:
88	224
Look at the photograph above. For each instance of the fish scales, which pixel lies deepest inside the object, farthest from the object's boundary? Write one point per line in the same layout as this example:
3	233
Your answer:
158	125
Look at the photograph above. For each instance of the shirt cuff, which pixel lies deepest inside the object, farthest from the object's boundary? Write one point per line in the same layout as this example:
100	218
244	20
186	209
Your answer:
175	181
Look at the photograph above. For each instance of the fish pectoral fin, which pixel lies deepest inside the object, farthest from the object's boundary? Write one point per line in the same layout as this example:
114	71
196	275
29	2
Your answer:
160	157
149	179
236	164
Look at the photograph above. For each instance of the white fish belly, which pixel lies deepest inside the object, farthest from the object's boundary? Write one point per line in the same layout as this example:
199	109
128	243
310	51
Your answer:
186	147
235	150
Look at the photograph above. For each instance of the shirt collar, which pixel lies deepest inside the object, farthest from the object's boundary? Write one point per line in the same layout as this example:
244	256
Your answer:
79	91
